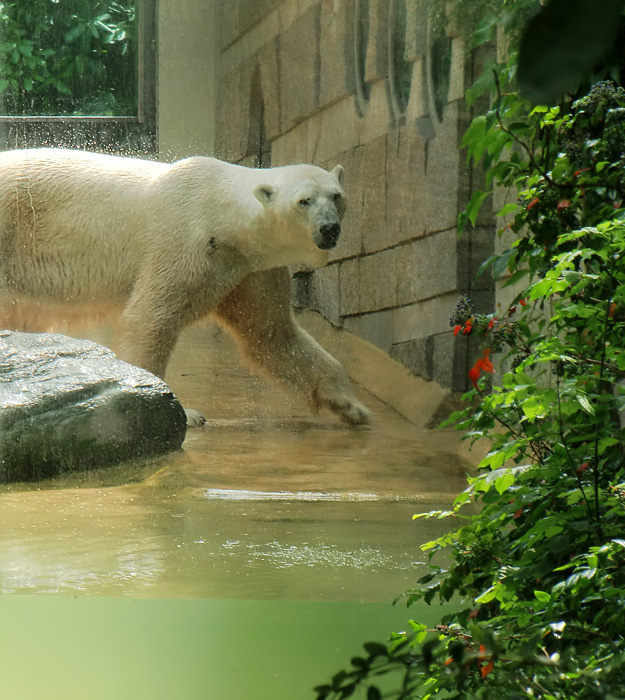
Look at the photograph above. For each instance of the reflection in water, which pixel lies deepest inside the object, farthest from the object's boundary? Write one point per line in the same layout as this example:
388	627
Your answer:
245	495
266	502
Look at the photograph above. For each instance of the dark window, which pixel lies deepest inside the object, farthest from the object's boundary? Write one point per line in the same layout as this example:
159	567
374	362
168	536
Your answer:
400	70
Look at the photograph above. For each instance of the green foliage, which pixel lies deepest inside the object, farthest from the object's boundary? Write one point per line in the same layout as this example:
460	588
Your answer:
67	57
538	572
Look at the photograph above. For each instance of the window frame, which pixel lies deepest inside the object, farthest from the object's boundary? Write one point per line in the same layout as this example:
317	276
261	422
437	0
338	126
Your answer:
135	134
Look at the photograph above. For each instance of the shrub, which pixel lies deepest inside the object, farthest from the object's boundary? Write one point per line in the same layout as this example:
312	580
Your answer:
538	572
67	57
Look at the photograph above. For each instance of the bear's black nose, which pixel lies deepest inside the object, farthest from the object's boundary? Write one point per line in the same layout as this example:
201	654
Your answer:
329	235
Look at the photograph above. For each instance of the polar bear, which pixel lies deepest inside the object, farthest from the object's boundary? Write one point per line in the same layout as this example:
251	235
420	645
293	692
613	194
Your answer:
171	243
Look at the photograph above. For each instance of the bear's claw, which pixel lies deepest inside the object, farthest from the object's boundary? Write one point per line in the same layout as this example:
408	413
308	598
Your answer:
194	418
350	411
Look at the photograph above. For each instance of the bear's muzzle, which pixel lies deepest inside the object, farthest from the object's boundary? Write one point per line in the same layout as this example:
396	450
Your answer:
328	235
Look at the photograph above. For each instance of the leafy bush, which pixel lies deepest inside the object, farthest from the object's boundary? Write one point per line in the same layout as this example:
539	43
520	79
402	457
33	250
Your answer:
538	573
68	57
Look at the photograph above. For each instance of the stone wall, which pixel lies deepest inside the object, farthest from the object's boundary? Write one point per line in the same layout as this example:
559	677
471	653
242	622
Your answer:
377	85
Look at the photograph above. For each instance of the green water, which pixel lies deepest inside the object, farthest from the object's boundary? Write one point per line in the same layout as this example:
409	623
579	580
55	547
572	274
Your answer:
63	648
252	565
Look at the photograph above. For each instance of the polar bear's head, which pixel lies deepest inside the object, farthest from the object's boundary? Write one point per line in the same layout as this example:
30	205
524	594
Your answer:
306	205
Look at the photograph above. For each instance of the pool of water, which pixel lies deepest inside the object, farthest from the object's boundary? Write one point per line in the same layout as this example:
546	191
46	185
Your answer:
253	563
92	648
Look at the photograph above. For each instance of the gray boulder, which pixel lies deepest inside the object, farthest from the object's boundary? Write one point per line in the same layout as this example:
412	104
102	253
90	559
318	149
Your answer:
69	405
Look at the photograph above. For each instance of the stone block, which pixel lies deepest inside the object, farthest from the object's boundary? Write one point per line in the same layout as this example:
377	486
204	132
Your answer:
458	78
267	57
370	193
448	360
365	184
303	5
288	12
325	293
445	173
236	54
337	72
418	107
301	284
349	280
376	66
440	358
263	23
376	328
416	30
376	120
251	13
333	131
229	13
406	184
414	355
427	267
378	284
186	47
234	113
423	319
483	300
292	147
474	247
299	68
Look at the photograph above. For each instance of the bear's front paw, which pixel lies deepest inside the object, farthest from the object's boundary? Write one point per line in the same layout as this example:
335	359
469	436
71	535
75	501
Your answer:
194	418
349	410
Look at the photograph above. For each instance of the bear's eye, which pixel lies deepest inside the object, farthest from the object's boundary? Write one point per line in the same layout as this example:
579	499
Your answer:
337	198
304	202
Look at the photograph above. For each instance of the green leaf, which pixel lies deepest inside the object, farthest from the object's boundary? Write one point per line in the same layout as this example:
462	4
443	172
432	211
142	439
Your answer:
515	277
542	596
462	222
503	483
485	83
502	262
61	87
519	127
585	404
488	595
474	206
510	208
420	630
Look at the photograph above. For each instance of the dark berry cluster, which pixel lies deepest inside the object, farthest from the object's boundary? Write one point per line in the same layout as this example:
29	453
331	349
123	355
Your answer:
598	132
499	331
463	312
603	96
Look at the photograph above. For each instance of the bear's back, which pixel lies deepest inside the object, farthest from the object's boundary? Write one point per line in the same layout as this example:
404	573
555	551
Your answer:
70	214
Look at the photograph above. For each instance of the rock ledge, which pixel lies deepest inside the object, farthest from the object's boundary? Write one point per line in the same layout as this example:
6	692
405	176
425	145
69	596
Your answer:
68	405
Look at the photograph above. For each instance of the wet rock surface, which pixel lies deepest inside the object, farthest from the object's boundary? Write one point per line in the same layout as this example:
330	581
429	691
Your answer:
70	405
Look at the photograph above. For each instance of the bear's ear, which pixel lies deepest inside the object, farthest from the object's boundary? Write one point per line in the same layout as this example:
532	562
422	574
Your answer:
339	174
264	193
